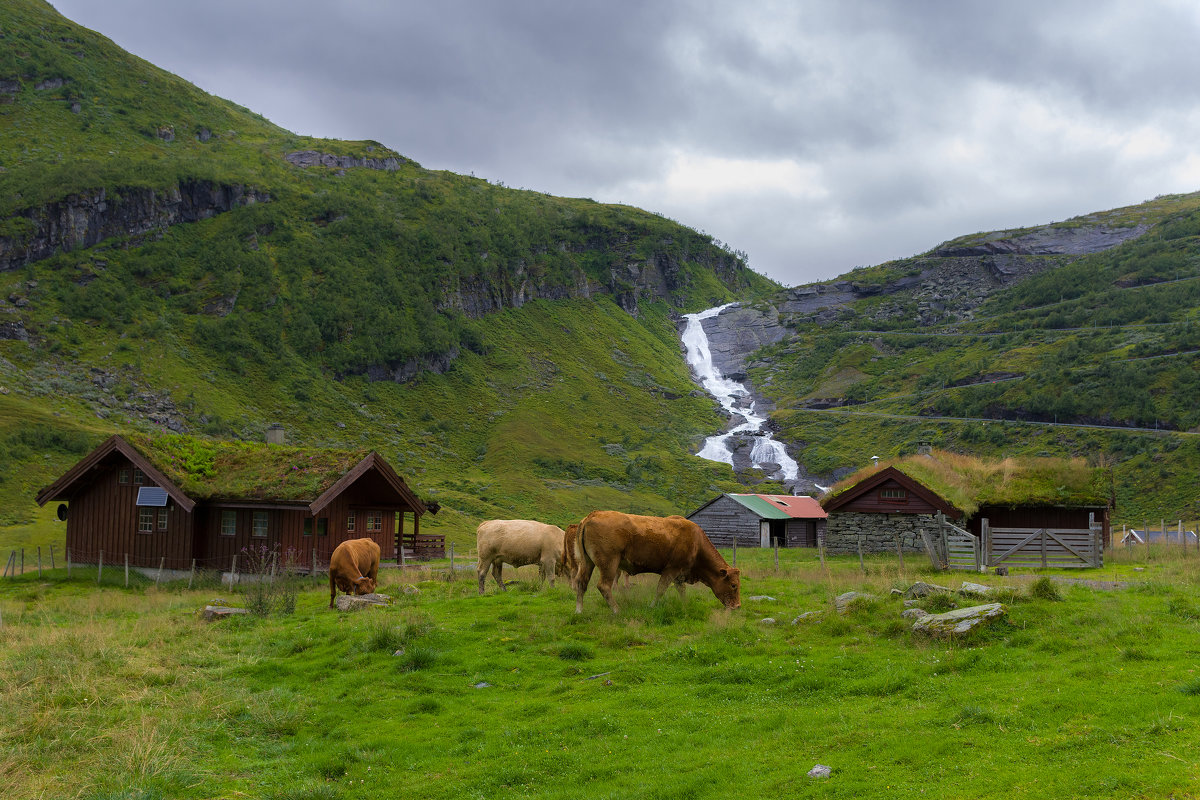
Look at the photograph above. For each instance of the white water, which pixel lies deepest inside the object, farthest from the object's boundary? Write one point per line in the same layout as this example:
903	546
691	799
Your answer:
735	399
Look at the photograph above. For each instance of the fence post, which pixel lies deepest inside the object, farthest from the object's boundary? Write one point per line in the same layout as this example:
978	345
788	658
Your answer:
12	557
68	563
985	545
233	576
313	570
52	566
192	576
735	550
39	561
127	570
99	567
22	560
777	555
452	562
161	562
861	565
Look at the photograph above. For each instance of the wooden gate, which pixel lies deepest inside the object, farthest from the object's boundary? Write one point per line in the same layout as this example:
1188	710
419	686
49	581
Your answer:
959	549
1043	547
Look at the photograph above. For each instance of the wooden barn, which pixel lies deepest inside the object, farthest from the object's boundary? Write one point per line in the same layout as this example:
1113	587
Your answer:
166	500
761	520
1054	506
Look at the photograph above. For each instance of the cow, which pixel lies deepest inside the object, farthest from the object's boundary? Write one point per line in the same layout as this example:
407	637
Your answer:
674	547
570	561
353	568
518	542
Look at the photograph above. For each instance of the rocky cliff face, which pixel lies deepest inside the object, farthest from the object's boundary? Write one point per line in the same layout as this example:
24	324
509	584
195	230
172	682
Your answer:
83	220
313	158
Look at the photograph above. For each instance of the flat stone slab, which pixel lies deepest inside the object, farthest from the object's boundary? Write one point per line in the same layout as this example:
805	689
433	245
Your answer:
353	602
766	597
977	589
808	616
960	621
221	612
914	613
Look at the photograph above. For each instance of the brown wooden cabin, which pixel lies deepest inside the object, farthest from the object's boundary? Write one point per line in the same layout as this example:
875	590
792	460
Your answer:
136	497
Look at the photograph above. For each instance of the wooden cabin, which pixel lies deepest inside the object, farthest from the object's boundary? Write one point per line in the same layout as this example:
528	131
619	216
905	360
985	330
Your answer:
761	520
883	510
176	500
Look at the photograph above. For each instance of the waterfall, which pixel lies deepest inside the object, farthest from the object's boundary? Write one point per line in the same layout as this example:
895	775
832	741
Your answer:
735	399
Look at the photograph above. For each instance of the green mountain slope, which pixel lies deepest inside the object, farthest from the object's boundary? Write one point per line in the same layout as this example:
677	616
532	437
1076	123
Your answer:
1033	348
170	260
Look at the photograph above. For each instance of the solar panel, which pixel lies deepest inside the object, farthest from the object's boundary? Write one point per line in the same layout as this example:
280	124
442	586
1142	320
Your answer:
152	496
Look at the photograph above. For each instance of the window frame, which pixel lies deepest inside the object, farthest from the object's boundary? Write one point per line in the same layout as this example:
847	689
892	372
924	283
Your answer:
374	522
145	523
228	514
164	515
263	517
350	521
893	495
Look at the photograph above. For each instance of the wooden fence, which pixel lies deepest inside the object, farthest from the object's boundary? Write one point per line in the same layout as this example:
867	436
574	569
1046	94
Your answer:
956	548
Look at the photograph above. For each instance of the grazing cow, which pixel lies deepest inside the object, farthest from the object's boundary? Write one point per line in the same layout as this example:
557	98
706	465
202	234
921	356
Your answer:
570	561
517	542
353	568
674	547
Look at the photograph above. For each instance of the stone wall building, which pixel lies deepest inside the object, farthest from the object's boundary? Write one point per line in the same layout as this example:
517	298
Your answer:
885	507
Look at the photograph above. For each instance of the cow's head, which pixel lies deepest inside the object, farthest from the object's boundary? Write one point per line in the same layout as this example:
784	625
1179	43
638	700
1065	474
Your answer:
728	586
364	585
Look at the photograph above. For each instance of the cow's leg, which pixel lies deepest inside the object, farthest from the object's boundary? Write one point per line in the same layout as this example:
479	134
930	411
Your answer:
547	568
608	578
664	580
498	573
583	576
481	571
332	588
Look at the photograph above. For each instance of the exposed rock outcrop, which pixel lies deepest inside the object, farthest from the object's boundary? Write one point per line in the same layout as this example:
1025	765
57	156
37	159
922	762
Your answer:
82	220
314	158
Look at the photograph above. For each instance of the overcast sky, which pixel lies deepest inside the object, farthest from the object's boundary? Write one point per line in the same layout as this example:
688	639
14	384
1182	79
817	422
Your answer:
816	135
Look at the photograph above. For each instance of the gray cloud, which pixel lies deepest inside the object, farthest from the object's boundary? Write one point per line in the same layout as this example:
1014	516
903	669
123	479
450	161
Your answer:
837	132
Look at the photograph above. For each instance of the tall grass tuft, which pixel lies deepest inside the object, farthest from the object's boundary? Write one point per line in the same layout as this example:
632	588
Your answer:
1044	588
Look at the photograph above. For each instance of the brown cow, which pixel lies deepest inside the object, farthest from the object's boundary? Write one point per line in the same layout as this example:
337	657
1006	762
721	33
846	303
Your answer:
517	542
353	568
570	559
674	547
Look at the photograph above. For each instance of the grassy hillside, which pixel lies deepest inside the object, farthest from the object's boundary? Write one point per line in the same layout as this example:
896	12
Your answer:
1109	339
511	353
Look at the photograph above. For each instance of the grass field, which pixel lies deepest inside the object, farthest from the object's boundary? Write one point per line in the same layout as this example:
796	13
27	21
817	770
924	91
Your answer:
108	692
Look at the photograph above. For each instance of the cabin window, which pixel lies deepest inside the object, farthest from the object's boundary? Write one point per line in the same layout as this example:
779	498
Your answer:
139	477
162	519
260	525
322	526
374	521
229	523
895	495
308	527
122	476
350	522
145	520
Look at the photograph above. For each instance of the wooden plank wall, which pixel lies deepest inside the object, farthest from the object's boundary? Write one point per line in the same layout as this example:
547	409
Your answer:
872	503
103	516
724	519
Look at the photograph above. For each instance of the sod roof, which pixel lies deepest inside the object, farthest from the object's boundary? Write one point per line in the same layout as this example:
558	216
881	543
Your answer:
206	469
968	482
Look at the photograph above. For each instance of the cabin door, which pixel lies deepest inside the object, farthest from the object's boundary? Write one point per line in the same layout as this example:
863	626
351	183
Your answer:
764	533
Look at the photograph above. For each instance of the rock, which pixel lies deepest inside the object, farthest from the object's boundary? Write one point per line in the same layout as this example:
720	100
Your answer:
349	602
807	616
410	589
910	603
768	620
483	685
960	621
820	771
976	589
220	612
897	593
844	600
922	589
766	597
914	613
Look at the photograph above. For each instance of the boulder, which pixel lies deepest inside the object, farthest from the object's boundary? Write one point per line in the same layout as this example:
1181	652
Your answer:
914	613
976	589
922	589
353	602
960	621
768	620
820	771
844	600
808	616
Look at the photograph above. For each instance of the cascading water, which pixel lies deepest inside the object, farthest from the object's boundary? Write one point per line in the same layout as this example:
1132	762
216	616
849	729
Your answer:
735	399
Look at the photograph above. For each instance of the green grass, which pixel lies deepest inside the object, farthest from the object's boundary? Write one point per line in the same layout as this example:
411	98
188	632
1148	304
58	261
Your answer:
115	692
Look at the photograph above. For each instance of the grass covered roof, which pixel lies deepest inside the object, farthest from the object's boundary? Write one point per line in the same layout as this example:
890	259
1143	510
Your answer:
206	470
967	482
